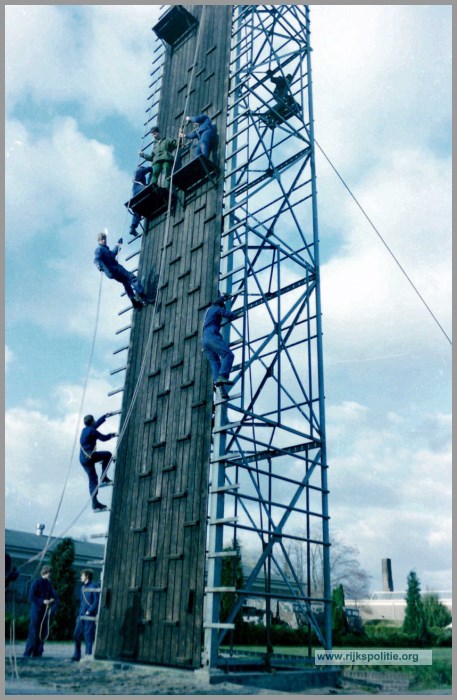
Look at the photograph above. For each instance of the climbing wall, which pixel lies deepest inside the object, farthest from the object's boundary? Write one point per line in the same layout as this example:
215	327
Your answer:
152	600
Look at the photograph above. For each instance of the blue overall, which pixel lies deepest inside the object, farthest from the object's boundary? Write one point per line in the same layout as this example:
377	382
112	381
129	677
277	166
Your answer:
105	260
85	629
216	349
89	457
138	185
40	591
205	133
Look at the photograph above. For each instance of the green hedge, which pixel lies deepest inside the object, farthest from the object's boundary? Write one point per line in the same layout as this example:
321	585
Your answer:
21	627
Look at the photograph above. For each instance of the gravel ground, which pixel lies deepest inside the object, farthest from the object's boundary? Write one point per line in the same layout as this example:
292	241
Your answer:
54	674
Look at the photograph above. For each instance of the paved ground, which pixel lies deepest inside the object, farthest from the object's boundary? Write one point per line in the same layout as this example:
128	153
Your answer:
54	674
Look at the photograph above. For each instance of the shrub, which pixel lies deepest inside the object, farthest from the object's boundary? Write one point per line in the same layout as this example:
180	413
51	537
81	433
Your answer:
435	676
21	626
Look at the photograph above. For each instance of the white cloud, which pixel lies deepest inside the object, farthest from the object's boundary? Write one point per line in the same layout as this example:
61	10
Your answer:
370	75
365	295
103	54
390	488
59	180
63	179
38	453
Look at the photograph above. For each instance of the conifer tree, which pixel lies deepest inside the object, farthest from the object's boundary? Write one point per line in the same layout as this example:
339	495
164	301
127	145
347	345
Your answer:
339	624
414	622
63	579
436	614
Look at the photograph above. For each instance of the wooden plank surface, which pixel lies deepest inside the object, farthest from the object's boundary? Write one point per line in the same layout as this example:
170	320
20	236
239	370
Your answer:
155	557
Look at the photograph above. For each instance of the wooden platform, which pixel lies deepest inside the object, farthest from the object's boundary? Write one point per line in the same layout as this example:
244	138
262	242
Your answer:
280	113
194	173
175	25
150	202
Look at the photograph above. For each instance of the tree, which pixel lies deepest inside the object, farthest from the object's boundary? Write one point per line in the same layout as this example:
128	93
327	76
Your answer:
436	614
339	623
414	622
345	567
63	579
231	575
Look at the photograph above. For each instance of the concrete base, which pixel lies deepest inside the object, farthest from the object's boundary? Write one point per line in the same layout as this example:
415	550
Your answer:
289	681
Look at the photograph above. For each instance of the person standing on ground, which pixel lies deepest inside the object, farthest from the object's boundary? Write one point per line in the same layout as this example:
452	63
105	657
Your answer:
85	629
43	602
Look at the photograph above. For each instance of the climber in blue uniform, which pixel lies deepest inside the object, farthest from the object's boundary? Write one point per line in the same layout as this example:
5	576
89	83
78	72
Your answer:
204	132
44	601
88	456
139	184
214	346
105	260
88	606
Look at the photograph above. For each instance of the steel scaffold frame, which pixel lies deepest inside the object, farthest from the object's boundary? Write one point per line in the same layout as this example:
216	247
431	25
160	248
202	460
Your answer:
268	481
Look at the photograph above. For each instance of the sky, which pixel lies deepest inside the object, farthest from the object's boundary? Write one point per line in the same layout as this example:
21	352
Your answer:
77	82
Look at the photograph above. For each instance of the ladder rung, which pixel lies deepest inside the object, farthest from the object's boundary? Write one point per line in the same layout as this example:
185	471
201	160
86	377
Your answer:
232	272
221	589
227	426
124	347
226	457
124	311
88	617
226	487
215	555
223	521
233	250
97	535
116	391
125	328
220	626
95	562
119	369
218	402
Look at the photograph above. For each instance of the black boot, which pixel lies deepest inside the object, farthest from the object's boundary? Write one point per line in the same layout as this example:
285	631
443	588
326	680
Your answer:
98	507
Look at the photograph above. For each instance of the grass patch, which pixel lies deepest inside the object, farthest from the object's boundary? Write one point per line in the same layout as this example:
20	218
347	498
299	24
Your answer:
438	675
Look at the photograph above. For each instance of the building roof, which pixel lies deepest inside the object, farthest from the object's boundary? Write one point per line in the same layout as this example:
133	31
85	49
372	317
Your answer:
23	545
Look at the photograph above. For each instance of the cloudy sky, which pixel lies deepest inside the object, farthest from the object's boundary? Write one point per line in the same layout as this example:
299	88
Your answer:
76	87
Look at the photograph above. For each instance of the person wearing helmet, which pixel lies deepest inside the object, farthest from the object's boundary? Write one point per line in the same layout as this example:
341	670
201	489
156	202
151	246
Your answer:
106	261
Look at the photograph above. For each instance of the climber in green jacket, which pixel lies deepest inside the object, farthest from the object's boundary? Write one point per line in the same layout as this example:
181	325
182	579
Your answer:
161	156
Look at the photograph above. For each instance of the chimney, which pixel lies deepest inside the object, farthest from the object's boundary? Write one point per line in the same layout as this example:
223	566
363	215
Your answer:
40	528
387	583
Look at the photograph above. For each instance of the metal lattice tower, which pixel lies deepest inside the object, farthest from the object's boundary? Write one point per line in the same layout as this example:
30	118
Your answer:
268	470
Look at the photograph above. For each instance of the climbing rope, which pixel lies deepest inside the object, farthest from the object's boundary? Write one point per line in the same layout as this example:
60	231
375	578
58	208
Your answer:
41	555
375	229
46	618
12	649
